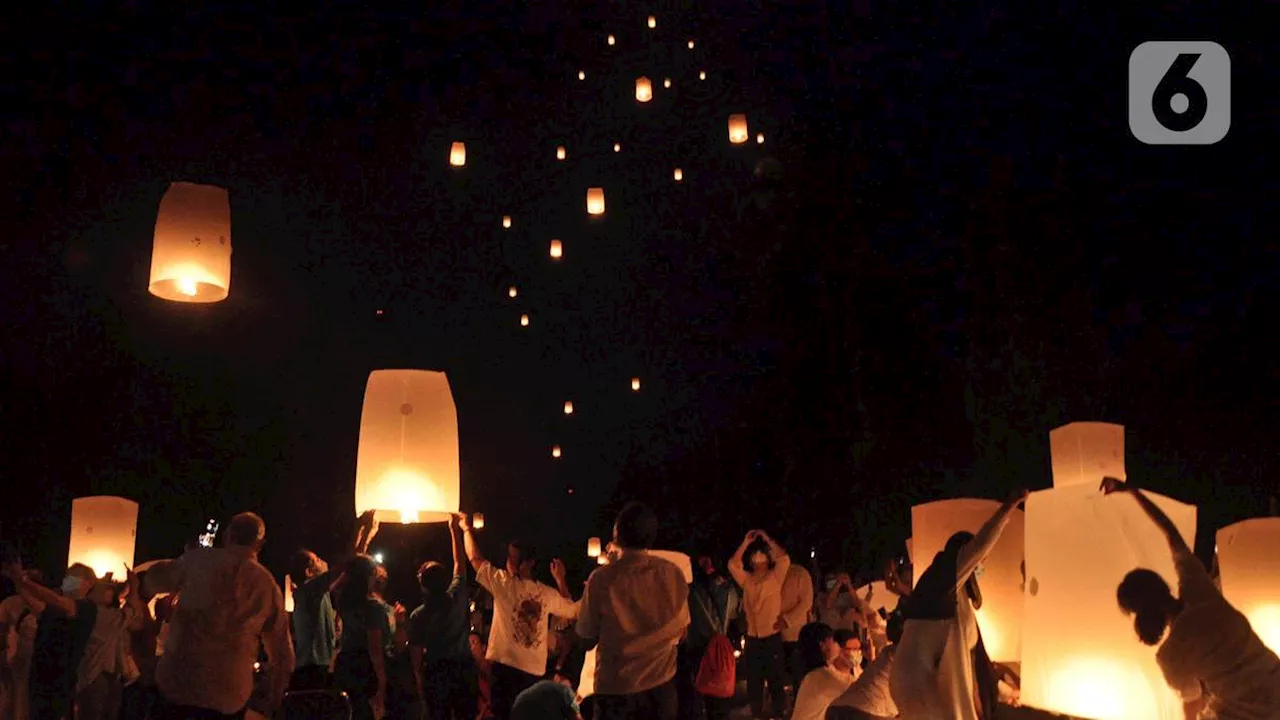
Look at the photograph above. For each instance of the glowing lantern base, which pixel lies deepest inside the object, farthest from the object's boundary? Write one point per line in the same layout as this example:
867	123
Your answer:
1249	568
103	534
191	253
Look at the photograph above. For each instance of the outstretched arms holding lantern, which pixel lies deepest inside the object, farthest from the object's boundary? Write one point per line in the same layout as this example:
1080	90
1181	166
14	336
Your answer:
977	549
1177	545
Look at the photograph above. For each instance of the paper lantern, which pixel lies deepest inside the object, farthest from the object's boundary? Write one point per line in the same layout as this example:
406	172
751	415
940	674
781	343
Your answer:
560	153
678	174
477	521
593	547
191	249
635	384
679	559
524	320
506	221
568	407
1249	568
738	129
512	291
555	453
1080	655
582	75
1000	617
617	147
911	555
602	560
557	249
458	154
644	89
653	22
690	44
407	458
759	138
595	201
702	75
1085	452
104	529
881	598
666	82
612	40
288	594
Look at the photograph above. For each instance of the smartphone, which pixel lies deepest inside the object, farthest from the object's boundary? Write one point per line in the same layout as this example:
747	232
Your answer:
210	532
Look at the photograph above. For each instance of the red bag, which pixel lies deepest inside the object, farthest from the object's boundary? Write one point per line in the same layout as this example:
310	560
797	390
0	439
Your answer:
718	670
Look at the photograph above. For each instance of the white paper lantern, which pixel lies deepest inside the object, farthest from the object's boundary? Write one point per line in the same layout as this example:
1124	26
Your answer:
104	530
513	291
1085	452
595	201
653	22
1080	655
288	594
407	463
644	89
561	153
612	40
1249	567
702	75
738	129
568	407
557	249
617	147
690	44
666	82
1000	618
524	320
881	598
678	174
582	74
191	250
635	384
477	521
593	547
555	451
759	138
506	221
458	154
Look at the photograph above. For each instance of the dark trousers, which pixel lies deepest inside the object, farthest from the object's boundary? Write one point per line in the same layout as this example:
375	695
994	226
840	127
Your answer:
138	701
310	677
100	699
765	669
451	687
660	703
165	710
353	673
508	682
795	665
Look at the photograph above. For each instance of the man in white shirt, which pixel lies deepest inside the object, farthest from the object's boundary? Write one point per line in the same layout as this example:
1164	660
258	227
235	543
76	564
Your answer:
797	604
636	609
230	606
762	601
521	606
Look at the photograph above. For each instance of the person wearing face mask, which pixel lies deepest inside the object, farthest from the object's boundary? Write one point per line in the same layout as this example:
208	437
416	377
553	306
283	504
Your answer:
761	587
869	697
851	647
942	671
828	672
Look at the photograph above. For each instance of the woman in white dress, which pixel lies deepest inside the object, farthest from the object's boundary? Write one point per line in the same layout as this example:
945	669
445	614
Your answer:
941	670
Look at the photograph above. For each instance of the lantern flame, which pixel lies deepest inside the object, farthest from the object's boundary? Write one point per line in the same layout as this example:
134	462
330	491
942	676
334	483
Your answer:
644	89
653	22
738	129
678	174
187	286
557	250
458	154
595	201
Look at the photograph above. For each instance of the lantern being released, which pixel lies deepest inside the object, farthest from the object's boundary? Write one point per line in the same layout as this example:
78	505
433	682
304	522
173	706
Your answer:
1080	655
1249	567
1085	452
191	250
738	129
458	154
477	521
557	249
1000	617
644	89
593	547
104	529
595	201
407	463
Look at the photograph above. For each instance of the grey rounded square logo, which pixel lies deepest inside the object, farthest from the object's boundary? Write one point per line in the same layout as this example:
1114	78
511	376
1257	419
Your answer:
1179	92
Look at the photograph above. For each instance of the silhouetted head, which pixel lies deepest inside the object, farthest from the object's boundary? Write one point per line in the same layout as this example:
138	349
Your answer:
304	565
817	645
78	581
357	582
246	530
636	527
1146	596
894	626
434	579
521	559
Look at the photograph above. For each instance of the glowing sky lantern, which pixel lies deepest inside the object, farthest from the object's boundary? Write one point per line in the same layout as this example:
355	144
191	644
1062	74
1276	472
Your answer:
582	74
104	529
557	249
506	221
612	40
593	547
524	320
560	153
617	147
1249	568
458	154
702	74
595	201
407	460
644	89
568	407
690	44
1000	617
288	594
191	249
1085	452
653	22
555	451
635	384
477	521
513	291
881	598
738	129
666	82
1080	655
678	174
759	138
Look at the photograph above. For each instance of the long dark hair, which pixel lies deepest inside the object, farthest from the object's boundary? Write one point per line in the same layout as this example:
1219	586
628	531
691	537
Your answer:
812	636
1146	596
357	581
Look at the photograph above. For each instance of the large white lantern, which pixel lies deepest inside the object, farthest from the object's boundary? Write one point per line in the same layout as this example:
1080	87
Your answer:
1080	655
881	598
644	89
104	530
407	467
1085	452
593	547
191	250
1000	617
595	201
1249	567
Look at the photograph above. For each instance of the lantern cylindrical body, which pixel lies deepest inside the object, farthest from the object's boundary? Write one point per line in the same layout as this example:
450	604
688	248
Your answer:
582	75
568	407
524	320
738	128
1080	655
557	249
555	451
506	221
1085	452
104	531
1249	568
612	40
678	174
513	291
702	74
561	153
644	89
635	384
477	521
595	201
458	154
593	547
407	467
191	250
653	22
666	82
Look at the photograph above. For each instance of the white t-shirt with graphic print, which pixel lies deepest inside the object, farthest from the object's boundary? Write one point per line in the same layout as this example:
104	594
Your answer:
518	637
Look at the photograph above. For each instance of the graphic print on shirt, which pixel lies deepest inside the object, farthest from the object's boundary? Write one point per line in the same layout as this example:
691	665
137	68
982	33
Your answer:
528	621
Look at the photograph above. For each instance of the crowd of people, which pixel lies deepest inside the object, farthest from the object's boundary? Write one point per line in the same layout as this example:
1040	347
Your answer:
207	636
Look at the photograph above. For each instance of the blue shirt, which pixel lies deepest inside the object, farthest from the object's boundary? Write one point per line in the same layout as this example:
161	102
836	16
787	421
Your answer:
441	625
545	700
315	631
357	622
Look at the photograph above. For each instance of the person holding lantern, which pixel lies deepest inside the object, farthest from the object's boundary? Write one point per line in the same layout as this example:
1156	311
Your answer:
762	600
1207	650
941	670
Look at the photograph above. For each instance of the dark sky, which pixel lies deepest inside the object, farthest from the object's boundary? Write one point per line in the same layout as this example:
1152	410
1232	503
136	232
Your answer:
966	249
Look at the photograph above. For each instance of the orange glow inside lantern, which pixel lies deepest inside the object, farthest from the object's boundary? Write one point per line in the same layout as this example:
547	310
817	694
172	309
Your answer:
560	153
555	451
690	44
595	201
407	467
759	138
1085	452
1000	617
458	154
557	249
644	89
568	407
477	521
600	560
1080	655
104	530
506	221
512	291
617	147
1249	568
524	320
635	384
702	75
612	40
288	594
191	249
593	547
666	82
738	129
653	21
678	174
582	74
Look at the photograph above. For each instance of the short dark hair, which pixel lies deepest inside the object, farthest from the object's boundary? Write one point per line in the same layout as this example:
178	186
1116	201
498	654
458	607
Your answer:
528	551
433	578
811	638
298	565
636	527
246	529
843	636
1146	596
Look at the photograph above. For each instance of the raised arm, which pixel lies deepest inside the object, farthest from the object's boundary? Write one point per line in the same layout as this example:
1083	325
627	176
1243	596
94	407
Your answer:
39	596
781	560
366	530
455	543
736	569
1177	545
977	549
469	542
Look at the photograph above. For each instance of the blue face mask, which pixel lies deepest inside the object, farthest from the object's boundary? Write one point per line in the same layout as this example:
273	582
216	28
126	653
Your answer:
71	584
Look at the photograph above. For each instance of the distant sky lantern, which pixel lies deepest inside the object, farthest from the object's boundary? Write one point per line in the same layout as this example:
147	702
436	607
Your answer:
612	40
524	320
1000	617
690	44
288	594
617	147
555	453
601	560
653	21
458	154
678	174
568	407
557	249
477	521
644	89
191	250
407	460
595	201
593	547
702	74
738	129
1085	452
1250	573
513	291
506	221
104	529
582	74
635	384
666	82
560	153
759	138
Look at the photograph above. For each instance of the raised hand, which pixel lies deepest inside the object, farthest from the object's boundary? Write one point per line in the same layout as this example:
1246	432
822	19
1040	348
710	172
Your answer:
463	522
558	570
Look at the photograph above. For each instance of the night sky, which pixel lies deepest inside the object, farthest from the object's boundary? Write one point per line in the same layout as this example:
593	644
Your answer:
965	248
